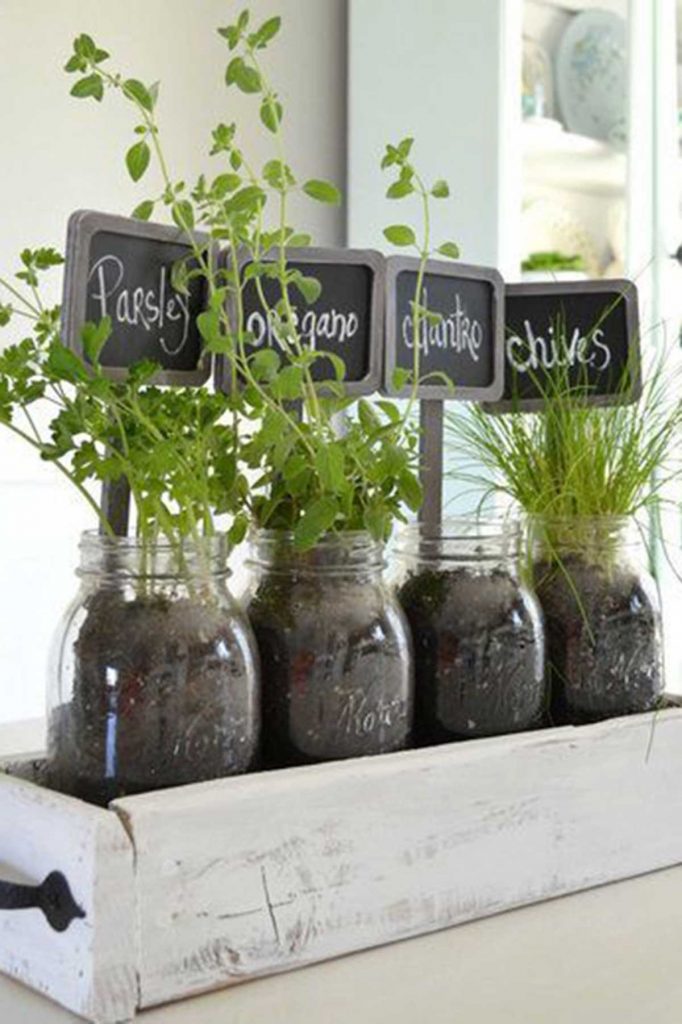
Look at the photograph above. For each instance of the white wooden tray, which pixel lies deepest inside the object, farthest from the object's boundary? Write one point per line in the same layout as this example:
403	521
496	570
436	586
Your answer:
200	887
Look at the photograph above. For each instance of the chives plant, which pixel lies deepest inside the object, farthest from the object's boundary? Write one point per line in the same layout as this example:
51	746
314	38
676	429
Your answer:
584	474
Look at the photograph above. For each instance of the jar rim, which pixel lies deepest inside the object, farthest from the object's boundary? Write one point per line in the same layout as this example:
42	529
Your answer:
609	517
161	543
333	553
267	533
123	551
464	528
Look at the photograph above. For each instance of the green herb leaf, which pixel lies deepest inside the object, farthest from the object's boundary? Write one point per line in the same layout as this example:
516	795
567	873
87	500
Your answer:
5	315
289	383
400	234
329	463
94	337
309	287
401	378
271	114
298	241
242	75
144	210
399	189
368	416
238	530
63	364
278	175
137	160
247	200
265	33
376	520
183	214
225	183
441	189
47	257
85	45
75	63
265	364
405	147
316	521
410	490
208	323
90	86
138	93
449	249
322	191
231	34
390	157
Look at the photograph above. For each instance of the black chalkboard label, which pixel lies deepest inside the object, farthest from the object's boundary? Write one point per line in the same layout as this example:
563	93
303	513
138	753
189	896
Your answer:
460	353
587	331
346	320
121	268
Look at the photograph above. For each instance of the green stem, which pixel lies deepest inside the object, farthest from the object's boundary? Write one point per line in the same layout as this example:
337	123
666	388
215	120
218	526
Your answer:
22	298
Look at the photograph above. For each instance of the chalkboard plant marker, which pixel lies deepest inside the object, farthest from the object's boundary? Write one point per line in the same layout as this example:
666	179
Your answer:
346	320
154	681
591	479
591	326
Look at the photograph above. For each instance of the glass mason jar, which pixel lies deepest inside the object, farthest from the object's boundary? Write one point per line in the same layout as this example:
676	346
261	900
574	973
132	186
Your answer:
154	679
477	630
602	616
335	649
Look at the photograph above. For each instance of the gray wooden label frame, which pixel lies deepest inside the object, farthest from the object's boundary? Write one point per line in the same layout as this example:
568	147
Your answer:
628	292
395	265
370	258
82	227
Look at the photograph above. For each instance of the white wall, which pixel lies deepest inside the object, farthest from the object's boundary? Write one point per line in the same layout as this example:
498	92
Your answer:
58	154
440	71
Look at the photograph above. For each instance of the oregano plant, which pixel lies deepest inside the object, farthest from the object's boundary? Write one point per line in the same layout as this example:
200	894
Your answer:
307	475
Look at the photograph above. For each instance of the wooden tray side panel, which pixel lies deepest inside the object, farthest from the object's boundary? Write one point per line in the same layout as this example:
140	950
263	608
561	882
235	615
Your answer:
248	876
89	968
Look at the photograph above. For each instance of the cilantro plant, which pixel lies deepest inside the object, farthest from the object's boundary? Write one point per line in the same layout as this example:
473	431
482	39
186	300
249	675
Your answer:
173	447
309	477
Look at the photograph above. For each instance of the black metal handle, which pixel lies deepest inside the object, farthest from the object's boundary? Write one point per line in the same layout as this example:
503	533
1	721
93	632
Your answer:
677	255
53	897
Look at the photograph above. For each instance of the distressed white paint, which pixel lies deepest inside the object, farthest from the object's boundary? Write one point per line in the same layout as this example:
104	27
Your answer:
248	876
90	967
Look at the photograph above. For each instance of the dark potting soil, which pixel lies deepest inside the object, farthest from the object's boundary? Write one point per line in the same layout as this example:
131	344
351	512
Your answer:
479	654
603	640
164	693
337	670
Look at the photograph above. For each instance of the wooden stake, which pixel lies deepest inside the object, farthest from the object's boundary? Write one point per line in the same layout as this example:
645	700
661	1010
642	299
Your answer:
116	505
431	460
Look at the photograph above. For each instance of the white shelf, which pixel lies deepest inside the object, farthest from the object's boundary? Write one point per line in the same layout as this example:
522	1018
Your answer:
556	158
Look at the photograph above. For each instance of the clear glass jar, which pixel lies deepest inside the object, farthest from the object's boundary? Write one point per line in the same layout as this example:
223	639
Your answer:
602	615
335	649
154	679
477	630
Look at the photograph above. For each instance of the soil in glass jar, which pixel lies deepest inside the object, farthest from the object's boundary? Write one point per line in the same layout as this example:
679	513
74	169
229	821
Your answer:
159	687
603	626
477	633
335	650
